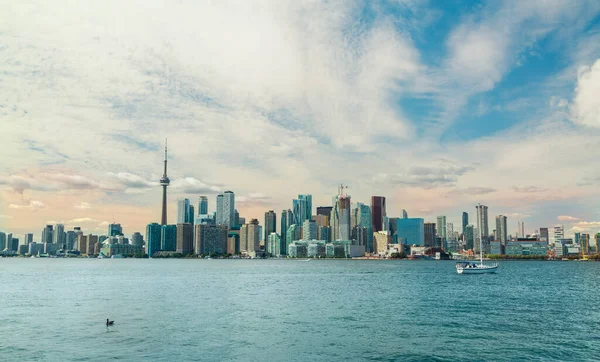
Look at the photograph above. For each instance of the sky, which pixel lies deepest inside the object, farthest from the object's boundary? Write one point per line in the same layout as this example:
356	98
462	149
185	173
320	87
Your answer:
436	105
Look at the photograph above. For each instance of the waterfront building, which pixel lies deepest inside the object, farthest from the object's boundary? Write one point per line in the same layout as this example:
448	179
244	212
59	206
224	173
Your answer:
274	244
469	237
381	239
411	231
429	234
33	248
340	217
584	241
360	235
114	229
211	239
451	238
558	233
441	229
52	248
137	239
482	227
164	183
47	234
185	238
292	234
501	231
465	221
110	249
2	241
316	249
233	240
302	209
378	213
82	243
153	238
202	205
270	223
168	238
250	236
298	249
309	230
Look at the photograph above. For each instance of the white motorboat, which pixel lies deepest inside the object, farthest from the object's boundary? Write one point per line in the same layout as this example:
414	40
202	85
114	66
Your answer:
466	267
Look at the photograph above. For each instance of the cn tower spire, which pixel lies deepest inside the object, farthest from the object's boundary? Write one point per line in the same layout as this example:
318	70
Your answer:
164	182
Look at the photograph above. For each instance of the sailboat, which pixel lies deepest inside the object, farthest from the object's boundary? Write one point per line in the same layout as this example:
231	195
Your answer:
476	268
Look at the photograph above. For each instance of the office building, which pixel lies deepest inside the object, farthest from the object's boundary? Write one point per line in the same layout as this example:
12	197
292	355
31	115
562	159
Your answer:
28	238
302	209
465	221
219	211
58	235
324	233
309	230
47	234
228	208
429	234
270	224
411	231
364	219
211	239
324	210
2	241
71	240
292	234
378	213
342	213
469	237
185	238
482	228
202	205
544	235
153	238
137	239
168	238
558	234
185	212
114	230
360	235
164	183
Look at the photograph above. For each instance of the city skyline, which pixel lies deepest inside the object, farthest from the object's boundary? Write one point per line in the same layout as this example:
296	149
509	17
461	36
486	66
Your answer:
498	107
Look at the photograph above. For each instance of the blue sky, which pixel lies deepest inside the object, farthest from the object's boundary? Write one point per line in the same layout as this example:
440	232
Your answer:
437	105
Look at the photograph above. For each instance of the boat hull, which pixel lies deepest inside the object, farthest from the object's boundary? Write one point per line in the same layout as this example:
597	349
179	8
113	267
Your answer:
479	269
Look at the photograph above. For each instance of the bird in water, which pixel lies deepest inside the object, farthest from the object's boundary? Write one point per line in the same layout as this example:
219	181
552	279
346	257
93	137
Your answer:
109	323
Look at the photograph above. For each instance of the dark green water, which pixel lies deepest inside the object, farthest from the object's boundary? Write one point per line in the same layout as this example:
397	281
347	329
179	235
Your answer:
252	310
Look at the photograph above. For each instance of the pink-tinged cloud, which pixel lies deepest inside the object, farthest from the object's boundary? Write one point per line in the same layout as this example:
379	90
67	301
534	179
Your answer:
567	218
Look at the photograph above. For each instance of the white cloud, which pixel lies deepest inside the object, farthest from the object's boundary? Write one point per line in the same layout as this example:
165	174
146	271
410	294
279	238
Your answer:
586	103
190	185
30	204
566	218
82	205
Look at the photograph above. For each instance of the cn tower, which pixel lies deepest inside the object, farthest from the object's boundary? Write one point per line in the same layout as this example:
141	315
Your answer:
164	182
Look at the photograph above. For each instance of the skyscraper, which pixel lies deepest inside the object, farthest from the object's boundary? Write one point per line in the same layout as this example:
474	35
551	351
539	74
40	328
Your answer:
58	236
341	214
364	218
501	229
521	228
164	182
228	208
378	213
441	229
2	241
465	221
287	219
27	239
302	209
47	234
114	229
309	230
482	228
219	211
429	234
270	224
202	205
469	237
324	210
411	231
250	236
153	238
185	212
185	238
168	238
137	239
273	245
211	239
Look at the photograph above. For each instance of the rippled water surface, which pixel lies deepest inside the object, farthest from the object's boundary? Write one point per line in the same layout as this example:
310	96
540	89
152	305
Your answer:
270	310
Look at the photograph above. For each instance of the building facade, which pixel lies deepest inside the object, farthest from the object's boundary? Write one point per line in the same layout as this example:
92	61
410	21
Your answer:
378	212
185	238
270	223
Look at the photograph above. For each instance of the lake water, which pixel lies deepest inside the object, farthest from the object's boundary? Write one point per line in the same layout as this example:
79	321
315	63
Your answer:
287	310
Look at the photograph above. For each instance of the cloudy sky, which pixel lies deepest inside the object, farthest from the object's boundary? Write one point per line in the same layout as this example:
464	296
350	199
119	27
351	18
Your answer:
436	105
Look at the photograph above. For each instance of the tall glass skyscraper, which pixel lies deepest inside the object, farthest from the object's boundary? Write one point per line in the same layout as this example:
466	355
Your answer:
287	219
202	205
168	237
411	231
219	211
465	221
441	229
115	230
482	227
302	209
228	208
378	212
185	212
270	224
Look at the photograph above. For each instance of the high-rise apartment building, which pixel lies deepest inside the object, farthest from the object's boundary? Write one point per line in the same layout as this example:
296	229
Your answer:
309	230
270	224
287	219
58	235
558	233
469	237
364	218
273	246
153	238
228	208
250	236
185	238
378	213
211	239
501	229
219	211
